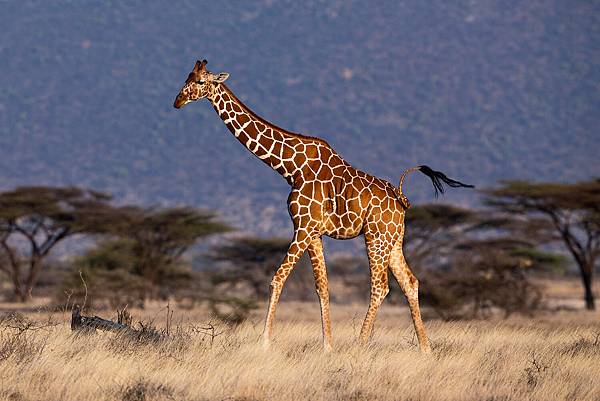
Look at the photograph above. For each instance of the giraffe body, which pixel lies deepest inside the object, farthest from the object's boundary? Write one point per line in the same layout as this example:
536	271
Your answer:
328	197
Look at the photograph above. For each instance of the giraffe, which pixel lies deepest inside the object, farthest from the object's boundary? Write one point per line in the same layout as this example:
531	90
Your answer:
328	197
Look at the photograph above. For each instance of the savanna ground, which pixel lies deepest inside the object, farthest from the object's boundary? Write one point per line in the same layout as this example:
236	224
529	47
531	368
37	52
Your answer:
554	356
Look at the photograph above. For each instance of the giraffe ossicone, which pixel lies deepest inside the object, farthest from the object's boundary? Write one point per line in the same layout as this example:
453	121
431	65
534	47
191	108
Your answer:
328	197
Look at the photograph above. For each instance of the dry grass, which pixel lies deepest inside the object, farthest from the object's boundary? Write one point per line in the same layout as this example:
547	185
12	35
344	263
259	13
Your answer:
553	357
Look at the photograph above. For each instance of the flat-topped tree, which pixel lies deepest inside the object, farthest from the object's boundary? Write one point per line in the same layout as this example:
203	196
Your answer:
140	254
159	237
33	220
571	210
440	229
484	263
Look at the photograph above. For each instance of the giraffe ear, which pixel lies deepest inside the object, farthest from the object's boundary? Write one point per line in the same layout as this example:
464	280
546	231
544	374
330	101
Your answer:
221	77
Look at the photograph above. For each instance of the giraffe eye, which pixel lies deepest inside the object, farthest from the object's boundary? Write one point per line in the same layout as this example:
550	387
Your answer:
200	82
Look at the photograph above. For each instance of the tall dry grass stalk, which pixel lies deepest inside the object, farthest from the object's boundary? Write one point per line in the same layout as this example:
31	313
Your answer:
555	357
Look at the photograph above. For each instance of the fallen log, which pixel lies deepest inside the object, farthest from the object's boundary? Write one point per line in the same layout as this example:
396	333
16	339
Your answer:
91	323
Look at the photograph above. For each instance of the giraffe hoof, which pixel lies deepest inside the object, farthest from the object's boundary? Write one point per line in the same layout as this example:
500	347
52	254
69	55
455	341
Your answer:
327	348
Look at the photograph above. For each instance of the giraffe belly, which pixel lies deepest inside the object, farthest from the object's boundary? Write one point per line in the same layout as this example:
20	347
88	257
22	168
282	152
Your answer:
343	215
343	234
346	226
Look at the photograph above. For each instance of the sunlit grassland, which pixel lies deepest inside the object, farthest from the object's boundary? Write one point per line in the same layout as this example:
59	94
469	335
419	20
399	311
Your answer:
554	356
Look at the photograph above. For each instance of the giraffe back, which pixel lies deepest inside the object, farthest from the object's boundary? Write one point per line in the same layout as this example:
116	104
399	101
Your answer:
341	199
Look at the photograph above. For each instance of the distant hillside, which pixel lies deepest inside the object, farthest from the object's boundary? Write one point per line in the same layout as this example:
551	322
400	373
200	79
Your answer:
480	90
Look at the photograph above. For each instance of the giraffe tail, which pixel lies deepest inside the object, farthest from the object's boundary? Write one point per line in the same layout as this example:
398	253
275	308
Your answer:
437	178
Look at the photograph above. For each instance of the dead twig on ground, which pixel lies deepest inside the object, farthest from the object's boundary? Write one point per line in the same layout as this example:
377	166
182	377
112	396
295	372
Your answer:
92	323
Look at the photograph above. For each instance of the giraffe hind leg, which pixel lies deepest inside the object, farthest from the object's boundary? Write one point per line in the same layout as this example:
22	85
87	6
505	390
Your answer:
379	256
410	287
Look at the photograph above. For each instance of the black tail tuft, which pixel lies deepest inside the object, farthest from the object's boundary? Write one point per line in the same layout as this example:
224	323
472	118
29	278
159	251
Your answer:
437	177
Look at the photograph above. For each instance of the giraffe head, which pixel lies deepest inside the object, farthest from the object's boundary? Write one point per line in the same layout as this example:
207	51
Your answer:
199	84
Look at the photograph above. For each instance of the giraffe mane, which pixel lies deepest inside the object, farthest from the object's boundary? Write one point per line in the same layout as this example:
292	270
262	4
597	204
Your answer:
268	123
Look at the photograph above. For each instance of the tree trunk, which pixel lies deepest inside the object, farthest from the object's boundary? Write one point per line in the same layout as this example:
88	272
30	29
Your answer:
586	276
35	265
15	272
18	288
15	276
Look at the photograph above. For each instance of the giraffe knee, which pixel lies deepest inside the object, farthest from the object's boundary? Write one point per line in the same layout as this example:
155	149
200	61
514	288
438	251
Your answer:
322	292
408	283
412	291
381	293
321	287
413	282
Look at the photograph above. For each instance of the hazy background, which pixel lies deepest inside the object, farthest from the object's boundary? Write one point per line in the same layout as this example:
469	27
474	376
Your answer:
481	90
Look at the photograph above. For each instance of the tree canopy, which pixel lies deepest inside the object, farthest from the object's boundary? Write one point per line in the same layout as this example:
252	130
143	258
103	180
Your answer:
38	218
571	213
141	251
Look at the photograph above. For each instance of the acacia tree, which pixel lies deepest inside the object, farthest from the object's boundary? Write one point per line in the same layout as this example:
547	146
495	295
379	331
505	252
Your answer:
474	261
141	253
160	236
571	210
483	275
33	220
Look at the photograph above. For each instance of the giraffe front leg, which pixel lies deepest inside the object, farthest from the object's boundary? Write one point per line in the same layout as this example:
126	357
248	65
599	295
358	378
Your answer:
315	250
410	287
295	251
379	255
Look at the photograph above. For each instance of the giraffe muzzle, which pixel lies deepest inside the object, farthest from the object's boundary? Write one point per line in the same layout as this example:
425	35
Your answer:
179	102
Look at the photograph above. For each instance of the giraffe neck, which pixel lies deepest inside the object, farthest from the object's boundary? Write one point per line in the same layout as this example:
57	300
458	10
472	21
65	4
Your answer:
273	145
